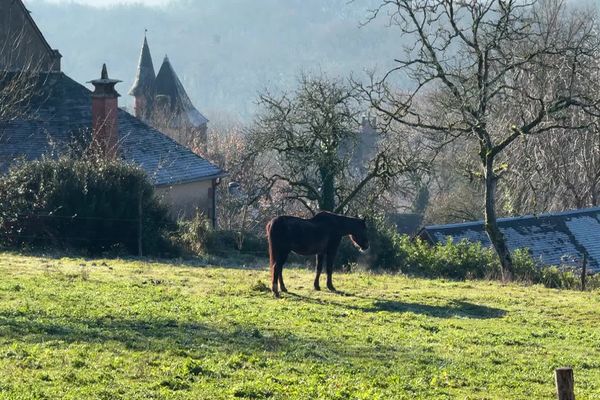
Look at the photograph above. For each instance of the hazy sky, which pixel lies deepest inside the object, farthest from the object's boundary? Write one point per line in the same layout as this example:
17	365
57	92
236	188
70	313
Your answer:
224	51
107	3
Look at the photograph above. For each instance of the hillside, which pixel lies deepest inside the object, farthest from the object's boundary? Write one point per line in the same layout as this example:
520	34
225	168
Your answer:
106	329
224	51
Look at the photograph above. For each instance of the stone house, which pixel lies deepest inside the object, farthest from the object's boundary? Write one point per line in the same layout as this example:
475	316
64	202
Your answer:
62	113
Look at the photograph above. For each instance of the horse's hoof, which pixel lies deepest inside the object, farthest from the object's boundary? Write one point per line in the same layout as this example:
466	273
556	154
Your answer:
276	295
331	289
284	290
317	288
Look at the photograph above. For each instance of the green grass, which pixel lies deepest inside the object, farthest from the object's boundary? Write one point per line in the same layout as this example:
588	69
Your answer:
109	329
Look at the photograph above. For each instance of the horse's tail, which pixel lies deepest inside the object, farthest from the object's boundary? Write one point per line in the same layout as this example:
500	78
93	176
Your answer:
271	252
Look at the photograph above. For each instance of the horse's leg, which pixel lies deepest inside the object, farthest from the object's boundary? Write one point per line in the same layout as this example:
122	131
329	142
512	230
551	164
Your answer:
277	273
277	260
330	273
319	269
331	252
274	288
272	259
280	263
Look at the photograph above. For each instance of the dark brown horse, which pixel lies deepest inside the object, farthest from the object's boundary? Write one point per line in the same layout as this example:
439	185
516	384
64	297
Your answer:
320	235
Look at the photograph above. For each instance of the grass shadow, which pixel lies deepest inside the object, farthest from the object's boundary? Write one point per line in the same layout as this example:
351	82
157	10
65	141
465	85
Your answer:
454	309
169	335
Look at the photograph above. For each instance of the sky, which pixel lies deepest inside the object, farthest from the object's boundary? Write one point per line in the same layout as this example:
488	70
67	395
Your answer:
109	3
224	51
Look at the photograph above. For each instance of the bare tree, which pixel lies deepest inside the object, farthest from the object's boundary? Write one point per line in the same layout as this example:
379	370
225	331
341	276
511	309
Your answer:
473	61
244	204
455	195
556	171
320	160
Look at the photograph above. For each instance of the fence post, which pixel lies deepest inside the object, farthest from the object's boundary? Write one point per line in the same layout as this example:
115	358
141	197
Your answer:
140	226
565	384
583	272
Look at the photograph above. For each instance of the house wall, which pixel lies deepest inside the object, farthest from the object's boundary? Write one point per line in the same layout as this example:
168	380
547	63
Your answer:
22	46
184	199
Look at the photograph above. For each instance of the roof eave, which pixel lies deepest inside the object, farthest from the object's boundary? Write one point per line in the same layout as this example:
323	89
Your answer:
221	174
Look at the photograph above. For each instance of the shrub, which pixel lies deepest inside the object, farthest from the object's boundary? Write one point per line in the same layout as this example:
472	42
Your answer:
557	278
198	236
447	260
347	255
385	252
525	267
82	204
193	234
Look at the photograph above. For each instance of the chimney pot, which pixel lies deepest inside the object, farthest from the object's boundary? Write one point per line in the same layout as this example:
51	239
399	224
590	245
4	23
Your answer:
105	110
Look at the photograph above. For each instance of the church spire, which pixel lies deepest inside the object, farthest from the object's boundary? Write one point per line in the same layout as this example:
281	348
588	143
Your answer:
144	80
143	86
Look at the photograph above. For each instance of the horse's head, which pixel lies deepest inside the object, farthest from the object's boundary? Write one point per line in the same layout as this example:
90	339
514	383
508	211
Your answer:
359	235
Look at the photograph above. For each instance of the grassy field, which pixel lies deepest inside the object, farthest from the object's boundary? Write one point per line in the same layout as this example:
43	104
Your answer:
108	329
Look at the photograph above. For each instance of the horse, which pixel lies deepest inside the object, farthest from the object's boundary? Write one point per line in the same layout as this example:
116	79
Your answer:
319	235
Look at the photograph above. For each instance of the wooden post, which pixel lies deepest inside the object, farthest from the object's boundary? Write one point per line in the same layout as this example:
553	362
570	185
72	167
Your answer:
583	272
564	384
140	226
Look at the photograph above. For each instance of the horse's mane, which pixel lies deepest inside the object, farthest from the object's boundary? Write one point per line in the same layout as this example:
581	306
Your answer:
329	214
339	220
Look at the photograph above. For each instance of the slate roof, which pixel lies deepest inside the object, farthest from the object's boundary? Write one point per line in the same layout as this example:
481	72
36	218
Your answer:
60	115
553	239
144	79
167	83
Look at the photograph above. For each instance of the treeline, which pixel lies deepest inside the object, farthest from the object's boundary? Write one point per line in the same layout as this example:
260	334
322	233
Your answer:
87	204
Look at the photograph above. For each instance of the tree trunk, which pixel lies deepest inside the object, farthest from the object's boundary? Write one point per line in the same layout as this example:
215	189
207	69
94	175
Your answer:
327	201
491	222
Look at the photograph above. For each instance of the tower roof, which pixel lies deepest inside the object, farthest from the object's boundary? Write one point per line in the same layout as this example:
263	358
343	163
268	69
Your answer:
168	84
144	80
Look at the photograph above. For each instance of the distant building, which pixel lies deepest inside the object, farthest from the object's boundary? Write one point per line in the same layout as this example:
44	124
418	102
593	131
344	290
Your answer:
162	102
65	114
21	42
552	239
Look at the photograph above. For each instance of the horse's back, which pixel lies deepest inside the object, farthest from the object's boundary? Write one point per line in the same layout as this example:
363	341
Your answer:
324	217
281	220
280	226
296	234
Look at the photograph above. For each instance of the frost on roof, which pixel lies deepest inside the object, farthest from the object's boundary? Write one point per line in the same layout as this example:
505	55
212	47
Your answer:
552	239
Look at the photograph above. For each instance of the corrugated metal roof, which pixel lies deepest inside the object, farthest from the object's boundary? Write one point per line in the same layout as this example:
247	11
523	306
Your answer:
553	239
60	116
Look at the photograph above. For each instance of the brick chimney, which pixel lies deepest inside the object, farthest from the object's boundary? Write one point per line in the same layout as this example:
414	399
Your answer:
105	109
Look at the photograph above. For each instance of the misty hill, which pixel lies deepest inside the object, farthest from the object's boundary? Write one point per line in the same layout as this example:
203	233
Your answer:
224	51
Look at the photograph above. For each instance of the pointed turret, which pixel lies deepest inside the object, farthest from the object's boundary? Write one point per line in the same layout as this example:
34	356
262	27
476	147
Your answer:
174	112
143	86
183	112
